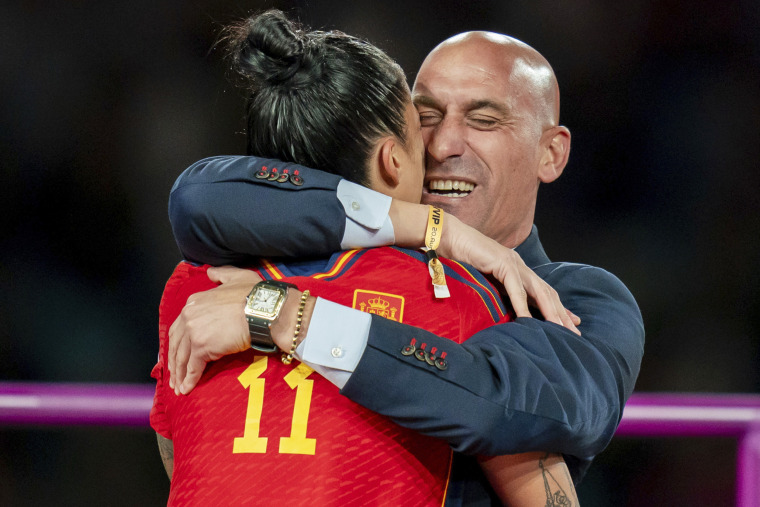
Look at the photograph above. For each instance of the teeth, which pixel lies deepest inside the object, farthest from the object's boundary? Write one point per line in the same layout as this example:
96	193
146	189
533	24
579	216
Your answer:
451	185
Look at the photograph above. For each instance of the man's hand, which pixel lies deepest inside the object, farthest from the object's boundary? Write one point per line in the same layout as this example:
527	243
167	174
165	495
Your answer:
212	324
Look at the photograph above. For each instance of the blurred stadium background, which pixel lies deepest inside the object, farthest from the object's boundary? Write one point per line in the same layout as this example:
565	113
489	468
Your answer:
105	103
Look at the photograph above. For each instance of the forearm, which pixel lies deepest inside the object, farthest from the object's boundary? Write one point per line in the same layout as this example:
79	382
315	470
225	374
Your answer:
166	449
530	479
221	212
534	385
409	223
531	393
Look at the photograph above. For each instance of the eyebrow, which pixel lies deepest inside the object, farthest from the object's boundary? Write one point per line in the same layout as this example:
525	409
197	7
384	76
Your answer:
427	101
473	105
487	104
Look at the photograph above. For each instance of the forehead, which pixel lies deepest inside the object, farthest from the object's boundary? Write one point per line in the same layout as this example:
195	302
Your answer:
455	71
481	72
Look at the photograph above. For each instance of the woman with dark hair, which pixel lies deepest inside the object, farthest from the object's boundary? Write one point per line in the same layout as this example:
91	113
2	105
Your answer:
319	99
330	101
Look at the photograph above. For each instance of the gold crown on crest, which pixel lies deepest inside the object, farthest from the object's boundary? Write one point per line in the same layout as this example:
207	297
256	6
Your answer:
378	303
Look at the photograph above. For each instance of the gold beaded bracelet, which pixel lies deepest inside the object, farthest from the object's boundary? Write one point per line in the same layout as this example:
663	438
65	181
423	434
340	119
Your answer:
287	358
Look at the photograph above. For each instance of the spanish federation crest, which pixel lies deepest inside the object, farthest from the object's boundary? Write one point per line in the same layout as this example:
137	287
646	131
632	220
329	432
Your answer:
389	306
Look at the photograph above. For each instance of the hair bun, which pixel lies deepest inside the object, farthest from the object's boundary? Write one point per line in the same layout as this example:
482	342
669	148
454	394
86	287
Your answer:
269	48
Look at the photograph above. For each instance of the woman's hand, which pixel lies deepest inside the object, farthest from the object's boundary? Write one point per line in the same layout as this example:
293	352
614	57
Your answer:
523	286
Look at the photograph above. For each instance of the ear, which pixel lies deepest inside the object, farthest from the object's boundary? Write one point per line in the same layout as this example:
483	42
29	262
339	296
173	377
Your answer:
389	165
555	147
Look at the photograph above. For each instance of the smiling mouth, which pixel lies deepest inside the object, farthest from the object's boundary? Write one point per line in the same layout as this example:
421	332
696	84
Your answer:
450	188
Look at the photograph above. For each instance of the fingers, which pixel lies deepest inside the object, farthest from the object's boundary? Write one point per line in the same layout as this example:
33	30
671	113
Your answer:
506	270
179	346
517	295
565	315
576	320
211	324
180	364
195	369
220	274
174	335
522	283
229	274
548	302
567	321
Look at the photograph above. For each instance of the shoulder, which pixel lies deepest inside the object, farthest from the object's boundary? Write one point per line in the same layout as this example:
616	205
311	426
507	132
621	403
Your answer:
582	279
603	302
258	170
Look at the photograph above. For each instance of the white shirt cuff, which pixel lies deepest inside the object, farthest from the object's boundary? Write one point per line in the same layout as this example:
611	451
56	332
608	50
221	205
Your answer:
335	341
367	220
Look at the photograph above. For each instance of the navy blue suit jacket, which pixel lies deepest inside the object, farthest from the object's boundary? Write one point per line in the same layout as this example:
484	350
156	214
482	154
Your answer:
522	386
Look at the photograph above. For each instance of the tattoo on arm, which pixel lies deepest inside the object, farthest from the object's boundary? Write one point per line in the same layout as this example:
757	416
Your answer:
556	494
166	448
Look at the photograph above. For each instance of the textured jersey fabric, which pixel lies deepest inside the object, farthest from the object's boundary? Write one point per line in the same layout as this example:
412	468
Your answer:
258	432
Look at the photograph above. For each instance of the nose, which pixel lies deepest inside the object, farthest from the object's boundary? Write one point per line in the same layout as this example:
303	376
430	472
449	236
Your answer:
445	140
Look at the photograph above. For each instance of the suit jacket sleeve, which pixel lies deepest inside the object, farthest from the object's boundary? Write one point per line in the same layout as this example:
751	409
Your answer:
221	213
516	387
519	386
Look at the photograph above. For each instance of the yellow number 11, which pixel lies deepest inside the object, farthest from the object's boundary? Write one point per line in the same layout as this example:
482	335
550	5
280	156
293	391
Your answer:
296	443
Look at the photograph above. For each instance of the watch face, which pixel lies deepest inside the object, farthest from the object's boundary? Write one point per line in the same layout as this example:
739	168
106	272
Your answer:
265	300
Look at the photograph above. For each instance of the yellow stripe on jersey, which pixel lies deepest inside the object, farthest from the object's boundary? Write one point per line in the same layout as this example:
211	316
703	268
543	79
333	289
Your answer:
338	265
275	273
448	479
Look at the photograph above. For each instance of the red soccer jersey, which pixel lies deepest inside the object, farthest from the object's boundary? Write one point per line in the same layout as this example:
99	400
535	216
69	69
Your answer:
258	432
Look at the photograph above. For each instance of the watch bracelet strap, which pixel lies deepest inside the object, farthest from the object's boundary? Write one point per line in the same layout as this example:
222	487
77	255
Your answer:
280	283
261	335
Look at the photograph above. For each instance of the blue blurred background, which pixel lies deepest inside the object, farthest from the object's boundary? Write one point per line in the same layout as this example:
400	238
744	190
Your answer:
105	103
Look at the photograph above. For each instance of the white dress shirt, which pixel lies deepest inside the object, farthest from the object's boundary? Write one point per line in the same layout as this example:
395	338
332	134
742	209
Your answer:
337	335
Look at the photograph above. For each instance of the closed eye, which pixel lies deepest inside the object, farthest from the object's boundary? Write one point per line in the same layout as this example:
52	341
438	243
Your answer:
483	122
429	119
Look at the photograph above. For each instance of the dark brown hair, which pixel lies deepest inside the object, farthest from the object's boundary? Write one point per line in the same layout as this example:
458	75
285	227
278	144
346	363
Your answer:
320	99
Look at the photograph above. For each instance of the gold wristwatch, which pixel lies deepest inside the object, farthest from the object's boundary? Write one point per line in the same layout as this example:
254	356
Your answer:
262	307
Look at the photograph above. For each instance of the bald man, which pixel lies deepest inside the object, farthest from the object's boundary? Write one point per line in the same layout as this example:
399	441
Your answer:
489	107
489	110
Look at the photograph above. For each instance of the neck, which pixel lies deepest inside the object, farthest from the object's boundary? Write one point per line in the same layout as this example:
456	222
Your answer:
517	237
